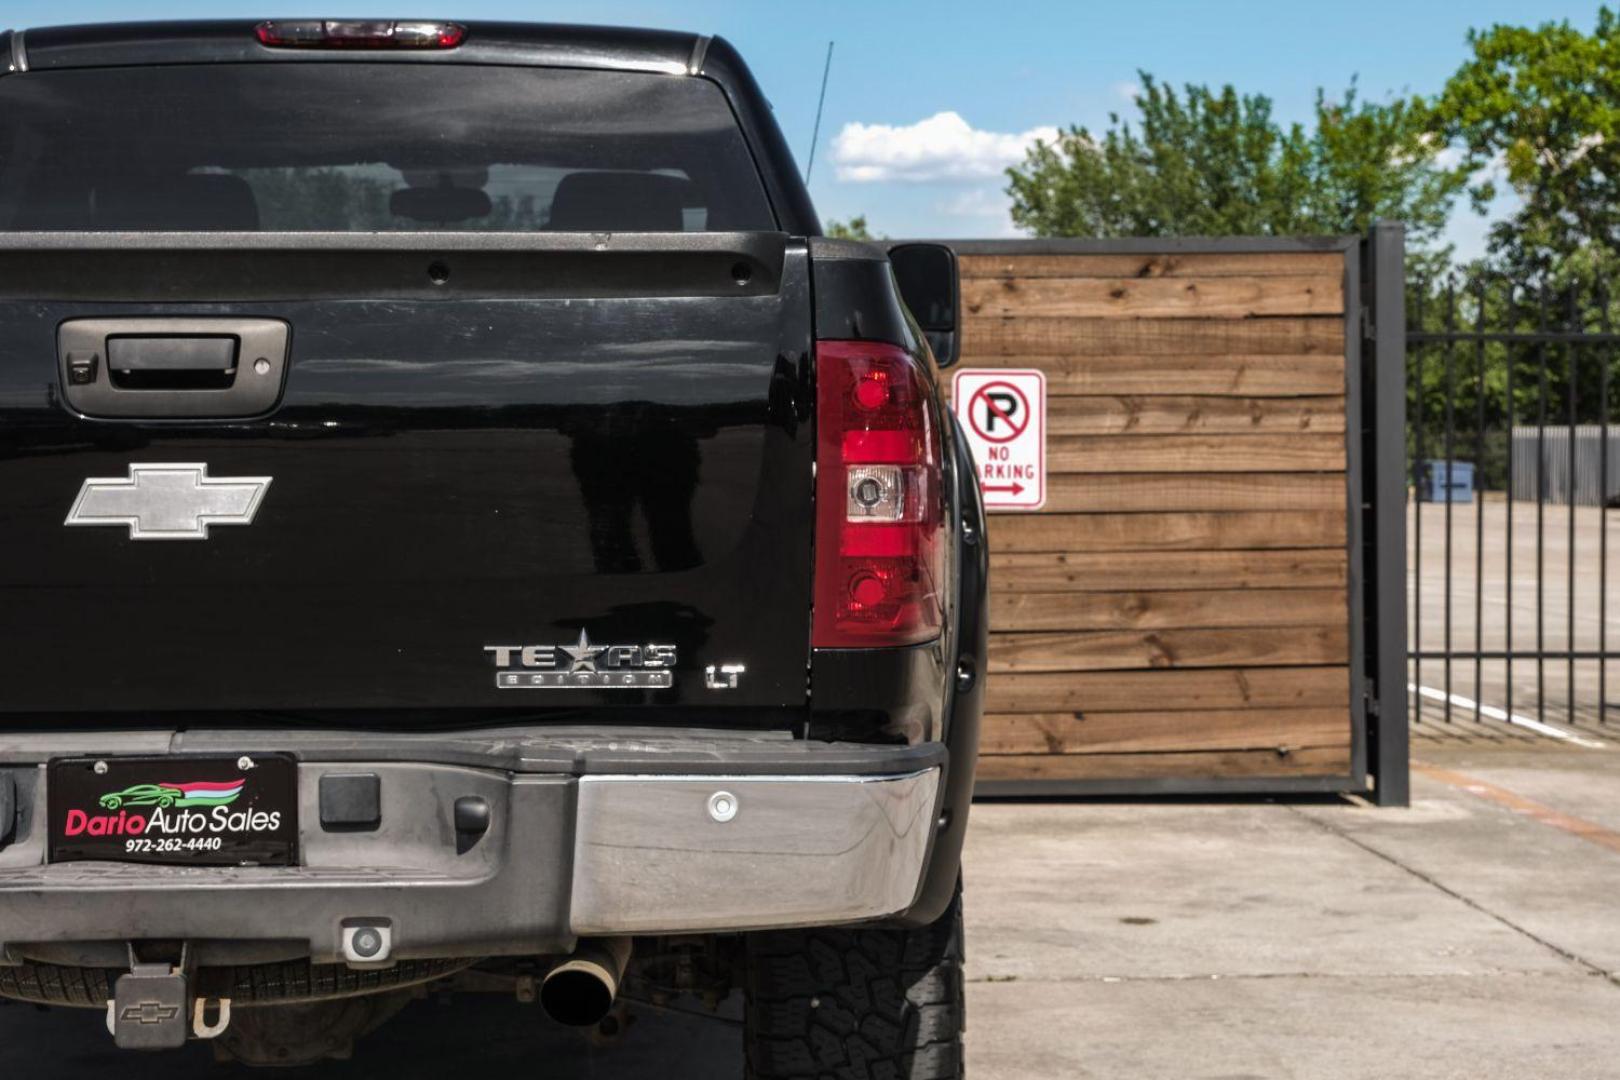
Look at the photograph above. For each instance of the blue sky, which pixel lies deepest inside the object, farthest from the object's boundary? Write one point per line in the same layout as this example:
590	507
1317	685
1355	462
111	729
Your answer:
1005	70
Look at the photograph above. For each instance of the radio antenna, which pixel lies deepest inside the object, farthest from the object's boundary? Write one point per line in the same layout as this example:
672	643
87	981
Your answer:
815	135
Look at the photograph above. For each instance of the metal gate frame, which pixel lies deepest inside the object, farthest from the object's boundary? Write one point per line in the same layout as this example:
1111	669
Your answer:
1383	423
1548	326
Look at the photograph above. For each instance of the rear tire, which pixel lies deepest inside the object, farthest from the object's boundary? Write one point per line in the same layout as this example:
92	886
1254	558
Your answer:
857	1004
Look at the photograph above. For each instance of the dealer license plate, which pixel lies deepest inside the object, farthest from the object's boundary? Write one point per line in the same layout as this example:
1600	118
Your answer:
192	811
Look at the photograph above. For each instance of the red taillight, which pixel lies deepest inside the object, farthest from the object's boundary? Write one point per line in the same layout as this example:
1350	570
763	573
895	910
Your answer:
879	518
363	34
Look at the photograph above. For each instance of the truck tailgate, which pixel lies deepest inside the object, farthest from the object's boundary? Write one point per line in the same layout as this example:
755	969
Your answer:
539	455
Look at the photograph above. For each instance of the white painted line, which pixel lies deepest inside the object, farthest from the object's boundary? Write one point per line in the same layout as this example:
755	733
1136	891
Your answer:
1494	713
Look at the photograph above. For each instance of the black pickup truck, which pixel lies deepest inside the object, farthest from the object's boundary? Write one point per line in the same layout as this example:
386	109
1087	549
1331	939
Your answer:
461	525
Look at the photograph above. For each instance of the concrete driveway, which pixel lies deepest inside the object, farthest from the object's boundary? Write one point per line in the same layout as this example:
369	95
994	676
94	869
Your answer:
1474	936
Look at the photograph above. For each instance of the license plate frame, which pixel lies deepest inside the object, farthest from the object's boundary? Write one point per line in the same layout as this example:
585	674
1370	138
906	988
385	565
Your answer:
175	810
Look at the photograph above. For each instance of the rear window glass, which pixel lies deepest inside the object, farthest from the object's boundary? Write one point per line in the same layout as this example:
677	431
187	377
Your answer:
340	147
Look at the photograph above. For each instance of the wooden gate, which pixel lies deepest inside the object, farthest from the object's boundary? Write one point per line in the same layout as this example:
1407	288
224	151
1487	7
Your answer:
1180	616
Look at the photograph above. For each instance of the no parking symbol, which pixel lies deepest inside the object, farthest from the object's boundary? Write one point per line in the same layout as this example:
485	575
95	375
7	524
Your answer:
1003	413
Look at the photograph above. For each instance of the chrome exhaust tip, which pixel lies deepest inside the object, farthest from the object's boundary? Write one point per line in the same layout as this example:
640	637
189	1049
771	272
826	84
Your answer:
580	990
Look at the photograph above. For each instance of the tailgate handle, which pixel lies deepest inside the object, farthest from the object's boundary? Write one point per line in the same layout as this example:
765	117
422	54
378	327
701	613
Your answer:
170	363
172	369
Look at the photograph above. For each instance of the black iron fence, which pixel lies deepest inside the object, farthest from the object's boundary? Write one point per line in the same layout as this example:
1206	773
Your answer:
1513	478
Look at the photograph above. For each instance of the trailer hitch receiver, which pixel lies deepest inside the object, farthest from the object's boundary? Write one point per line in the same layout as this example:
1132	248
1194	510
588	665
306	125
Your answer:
149	1009
153	1008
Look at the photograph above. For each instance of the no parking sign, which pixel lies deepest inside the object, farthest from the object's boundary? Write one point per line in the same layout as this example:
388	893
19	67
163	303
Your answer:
1003	413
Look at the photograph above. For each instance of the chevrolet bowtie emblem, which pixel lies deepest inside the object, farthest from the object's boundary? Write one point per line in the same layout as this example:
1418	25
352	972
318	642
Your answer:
168	501
149	1012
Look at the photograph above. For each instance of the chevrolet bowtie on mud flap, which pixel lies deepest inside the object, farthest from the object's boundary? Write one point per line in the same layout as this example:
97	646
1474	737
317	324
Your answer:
463	527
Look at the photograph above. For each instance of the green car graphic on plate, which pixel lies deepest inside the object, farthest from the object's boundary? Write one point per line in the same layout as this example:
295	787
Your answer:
163	796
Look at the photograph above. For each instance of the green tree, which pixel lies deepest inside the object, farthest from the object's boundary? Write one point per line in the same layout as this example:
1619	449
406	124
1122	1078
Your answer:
1217	163
853	229
1370	160
1536	109
1541	108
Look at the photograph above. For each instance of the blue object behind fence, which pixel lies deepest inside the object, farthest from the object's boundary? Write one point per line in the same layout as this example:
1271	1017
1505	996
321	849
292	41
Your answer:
1436	486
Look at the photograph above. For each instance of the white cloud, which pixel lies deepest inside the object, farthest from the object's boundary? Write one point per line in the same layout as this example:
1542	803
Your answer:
1127	90
942	147
987	210
975	202
1449	157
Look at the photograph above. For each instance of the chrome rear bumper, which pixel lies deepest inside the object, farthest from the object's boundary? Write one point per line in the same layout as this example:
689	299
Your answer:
666	846
654	854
